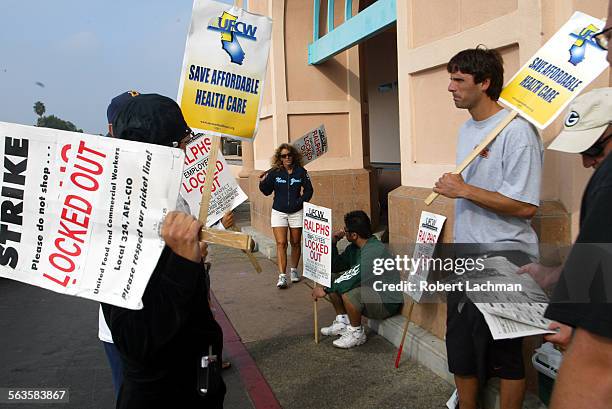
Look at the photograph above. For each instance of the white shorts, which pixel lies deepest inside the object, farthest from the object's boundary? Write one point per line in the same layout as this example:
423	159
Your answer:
293	220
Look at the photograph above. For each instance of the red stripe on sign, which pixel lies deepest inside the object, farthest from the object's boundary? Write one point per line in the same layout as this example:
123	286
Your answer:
256	385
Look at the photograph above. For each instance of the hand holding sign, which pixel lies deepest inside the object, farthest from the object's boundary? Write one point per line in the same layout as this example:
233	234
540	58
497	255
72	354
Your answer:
180	232
450	185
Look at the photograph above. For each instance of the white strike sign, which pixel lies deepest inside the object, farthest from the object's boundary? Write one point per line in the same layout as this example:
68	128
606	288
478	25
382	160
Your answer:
81	213
312	145
316	244
430	227
226	195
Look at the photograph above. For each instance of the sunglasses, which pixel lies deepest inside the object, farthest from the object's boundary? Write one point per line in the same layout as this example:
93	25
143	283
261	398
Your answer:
286	155
597	148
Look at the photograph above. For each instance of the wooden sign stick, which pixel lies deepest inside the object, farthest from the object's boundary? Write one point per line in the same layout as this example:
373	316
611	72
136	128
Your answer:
486	141
225	238
401	346
249	254
210	173
316	318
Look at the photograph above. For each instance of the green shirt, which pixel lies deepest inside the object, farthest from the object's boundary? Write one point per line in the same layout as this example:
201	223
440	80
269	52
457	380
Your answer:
354	268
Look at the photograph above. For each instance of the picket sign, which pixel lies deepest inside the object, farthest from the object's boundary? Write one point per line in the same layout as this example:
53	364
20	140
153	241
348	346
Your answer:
224	69
83	212
428	233
316	250
225	238
560	70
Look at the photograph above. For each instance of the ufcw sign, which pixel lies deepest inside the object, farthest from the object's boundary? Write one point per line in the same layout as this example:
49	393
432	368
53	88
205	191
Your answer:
232	26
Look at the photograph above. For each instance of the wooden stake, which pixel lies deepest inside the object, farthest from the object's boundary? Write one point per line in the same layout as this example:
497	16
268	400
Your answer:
232	239
401	347
210	176
316	319
485	142
249	254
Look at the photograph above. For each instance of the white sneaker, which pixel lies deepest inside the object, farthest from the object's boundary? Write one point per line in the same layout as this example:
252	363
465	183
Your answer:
338	327
353	337
282	281
295	276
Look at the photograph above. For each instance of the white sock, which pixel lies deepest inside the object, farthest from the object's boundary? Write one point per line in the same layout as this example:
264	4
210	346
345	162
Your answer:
355	329
294	269
343	318
282	275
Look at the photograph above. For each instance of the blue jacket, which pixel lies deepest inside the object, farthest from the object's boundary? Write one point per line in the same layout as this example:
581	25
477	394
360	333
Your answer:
288	196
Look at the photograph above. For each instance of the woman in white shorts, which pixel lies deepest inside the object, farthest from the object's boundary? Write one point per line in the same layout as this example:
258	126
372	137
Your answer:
291	186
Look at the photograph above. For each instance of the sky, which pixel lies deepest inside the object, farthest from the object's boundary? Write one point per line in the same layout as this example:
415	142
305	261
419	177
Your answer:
84	52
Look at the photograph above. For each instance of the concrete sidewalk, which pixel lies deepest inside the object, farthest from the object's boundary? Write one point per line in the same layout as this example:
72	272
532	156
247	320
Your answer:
276	326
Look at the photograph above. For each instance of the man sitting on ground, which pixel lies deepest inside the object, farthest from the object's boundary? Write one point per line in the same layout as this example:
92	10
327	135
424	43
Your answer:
352	292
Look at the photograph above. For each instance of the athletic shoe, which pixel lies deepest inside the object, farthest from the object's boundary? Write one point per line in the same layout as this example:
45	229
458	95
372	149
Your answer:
351	338
295	276
282	281
338	327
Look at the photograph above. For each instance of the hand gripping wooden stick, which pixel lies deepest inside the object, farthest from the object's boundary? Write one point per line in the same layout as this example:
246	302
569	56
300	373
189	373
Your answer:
485	142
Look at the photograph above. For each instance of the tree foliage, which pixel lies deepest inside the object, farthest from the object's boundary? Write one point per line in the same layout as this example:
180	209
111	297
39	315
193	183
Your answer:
51	121
39	108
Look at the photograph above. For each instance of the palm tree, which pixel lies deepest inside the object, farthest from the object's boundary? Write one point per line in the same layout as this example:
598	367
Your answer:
39	108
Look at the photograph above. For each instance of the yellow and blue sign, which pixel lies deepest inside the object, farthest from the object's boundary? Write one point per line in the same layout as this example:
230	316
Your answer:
224	69
558	72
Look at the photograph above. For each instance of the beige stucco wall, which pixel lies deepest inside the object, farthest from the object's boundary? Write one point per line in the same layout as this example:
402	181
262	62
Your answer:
299	97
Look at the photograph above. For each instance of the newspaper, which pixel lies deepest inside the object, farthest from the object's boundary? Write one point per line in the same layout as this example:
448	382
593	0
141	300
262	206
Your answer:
514	313
503	328
453	401
528	313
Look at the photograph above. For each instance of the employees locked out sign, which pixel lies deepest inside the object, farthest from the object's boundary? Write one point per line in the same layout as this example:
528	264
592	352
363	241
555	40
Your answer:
316	243
226	195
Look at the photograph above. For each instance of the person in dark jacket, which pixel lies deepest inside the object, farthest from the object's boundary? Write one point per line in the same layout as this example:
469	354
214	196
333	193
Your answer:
291	186
162	345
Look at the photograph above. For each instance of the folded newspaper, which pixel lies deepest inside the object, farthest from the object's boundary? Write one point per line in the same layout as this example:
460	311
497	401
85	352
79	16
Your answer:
509	314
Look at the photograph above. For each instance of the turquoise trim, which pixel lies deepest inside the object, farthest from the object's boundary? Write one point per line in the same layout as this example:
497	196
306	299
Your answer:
367	23
348	9
315	20
330	15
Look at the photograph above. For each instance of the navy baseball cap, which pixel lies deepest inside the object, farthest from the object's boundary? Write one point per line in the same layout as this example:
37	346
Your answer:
118	103
151	118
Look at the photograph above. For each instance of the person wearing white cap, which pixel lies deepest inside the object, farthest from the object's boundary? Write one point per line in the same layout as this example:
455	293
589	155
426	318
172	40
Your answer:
584	379
584	321
587	128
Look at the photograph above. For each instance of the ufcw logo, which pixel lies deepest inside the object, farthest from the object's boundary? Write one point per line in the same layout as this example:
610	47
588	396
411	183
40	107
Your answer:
583	38
234	27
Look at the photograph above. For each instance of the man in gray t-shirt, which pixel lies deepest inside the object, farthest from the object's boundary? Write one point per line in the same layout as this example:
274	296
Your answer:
509	168
496	196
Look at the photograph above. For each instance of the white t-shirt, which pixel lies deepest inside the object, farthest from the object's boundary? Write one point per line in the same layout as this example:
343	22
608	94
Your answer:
104	332
512	166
